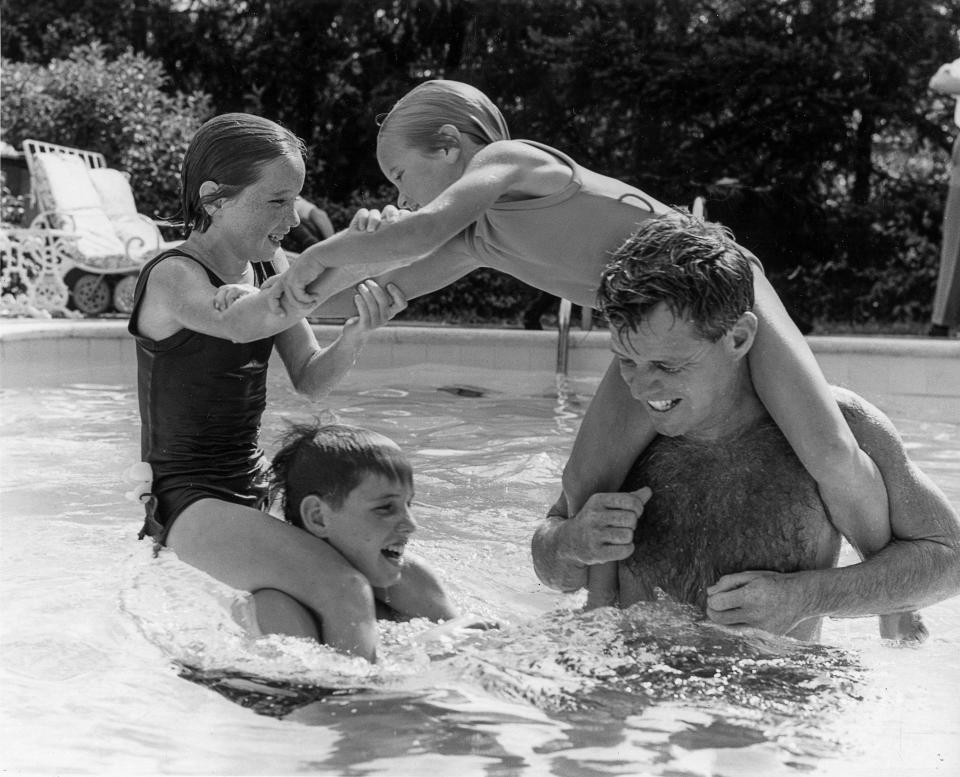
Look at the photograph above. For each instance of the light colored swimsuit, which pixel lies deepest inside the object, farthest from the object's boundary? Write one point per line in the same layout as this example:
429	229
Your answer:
577	227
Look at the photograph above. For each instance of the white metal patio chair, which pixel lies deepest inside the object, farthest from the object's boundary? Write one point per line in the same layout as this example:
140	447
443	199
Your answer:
73	191
30	277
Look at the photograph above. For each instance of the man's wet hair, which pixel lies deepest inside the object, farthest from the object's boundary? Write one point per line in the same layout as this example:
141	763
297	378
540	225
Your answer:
330	461
692	266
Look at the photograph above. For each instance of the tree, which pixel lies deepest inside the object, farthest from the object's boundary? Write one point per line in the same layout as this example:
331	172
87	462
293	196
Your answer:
115	106
806	123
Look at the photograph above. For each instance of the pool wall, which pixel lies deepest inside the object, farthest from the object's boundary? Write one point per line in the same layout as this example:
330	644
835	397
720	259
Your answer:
916	376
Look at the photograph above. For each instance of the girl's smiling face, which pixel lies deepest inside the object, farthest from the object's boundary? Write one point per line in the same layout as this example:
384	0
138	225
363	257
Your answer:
370	528
254	221
420	176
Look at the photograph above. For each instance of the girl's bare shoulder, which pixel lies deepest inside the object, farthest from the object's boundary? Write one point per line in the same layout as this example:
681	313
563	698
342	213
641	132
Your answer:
536	172
516	152
176	270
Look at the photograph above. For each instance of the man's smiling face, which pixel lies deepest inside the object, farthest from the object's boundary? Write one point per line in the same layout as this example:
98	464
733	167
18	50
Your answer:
688	385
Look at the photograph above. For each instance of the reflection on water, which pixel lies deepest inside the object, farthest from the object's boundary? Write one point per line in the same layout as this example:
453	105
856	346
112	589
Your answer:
114	661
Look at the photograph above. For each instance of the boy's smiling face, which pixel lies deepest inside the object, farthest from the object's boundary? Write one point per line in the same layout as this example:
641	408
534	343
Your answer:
370	528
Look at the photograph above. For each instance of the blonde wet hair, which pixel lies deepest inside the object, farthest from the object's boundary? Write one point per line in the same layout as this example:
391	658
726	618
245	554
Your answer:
419	114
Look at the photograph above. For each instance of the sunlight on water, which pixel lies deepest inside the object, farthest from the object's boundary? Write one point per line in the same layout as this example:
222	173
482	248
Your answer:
114	661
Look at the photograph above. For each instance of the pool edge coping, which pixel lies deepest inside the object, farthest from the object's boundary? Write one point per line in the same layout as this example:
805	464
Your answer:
888	345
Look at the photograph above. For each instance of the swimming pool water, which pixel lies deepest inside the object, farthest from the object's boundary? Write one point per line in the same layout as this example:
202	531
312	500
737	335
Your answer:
114	662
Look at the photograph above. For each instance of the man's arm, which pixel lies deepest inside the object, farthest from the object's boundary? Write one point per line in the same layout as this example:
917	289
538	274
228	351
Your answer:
602	531
552	567
920	566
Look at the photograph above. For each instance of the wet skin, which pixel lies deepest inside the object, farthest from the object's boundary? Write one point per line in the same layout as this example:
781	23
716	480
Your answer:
371	528
728	492
719	507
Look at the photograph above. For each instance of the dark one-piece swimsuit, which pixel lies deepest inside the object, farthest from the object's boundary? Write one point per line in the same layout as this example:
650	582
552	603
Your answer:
201	400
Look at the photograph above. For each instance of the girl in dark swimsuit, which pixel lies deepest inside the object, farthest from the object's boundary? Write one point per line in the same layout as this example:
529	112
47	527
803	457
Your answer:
202	367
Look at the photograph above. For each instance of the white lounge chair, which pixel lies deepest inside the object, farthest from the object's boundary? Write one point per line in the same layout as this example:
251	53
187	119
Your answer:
73	191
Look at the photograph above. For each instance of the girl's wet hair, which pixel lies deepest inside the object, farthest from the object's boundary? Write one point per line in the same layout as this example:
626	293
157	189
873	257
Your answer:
230	150
330	461
693	266
418	116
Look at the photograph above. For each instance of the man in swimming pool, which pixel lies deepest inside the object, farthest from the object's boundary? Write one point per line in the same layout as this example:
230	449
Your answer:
719	512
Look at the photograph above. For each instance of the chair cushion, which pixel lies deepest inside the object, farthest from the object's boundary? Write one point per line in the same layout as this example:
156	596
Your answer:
113	189
98	244
97	203
135	231
63	183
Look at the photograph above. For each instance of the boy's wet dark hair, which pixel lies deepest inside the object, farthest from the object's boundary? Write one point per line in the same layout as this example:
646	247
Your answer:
691	265
330	461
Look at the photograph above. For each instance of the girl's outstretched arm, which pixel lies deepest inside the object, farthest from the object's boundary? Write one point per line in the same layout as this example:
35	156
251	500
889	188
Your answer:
792	387
336	287
494	171
313	370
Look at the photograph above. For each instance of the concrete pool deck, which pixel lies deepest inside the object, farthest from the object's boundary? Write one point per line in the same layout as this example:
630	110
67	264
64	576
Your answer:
908	376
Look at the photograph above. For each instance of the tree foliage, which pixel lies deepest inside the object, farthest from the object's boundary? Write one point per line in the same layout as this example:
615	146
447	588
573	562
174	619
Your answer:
115	106
807	124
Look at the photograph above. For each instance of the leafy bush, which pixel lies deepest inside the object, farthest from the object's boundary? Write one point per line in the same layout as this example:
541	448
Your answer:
117	107
484	296
880	259
791	117
12	208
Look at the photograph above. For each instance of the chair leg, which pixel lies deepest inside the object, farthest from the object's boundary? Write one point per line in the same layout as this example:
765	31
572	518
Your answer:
91	294
123	293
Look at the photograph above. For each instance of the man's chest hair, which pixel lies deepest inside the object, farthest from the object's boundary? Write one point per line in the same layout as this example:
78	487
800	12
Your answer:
742	503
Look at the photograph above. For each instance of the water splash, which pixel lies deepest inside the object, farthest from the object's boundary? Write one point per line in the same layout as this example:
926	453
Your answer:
619	662
656	652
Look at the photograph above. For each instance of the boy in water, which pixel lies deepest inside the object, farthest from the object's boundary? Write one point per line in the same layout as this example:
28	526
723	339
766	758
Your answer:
352	488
